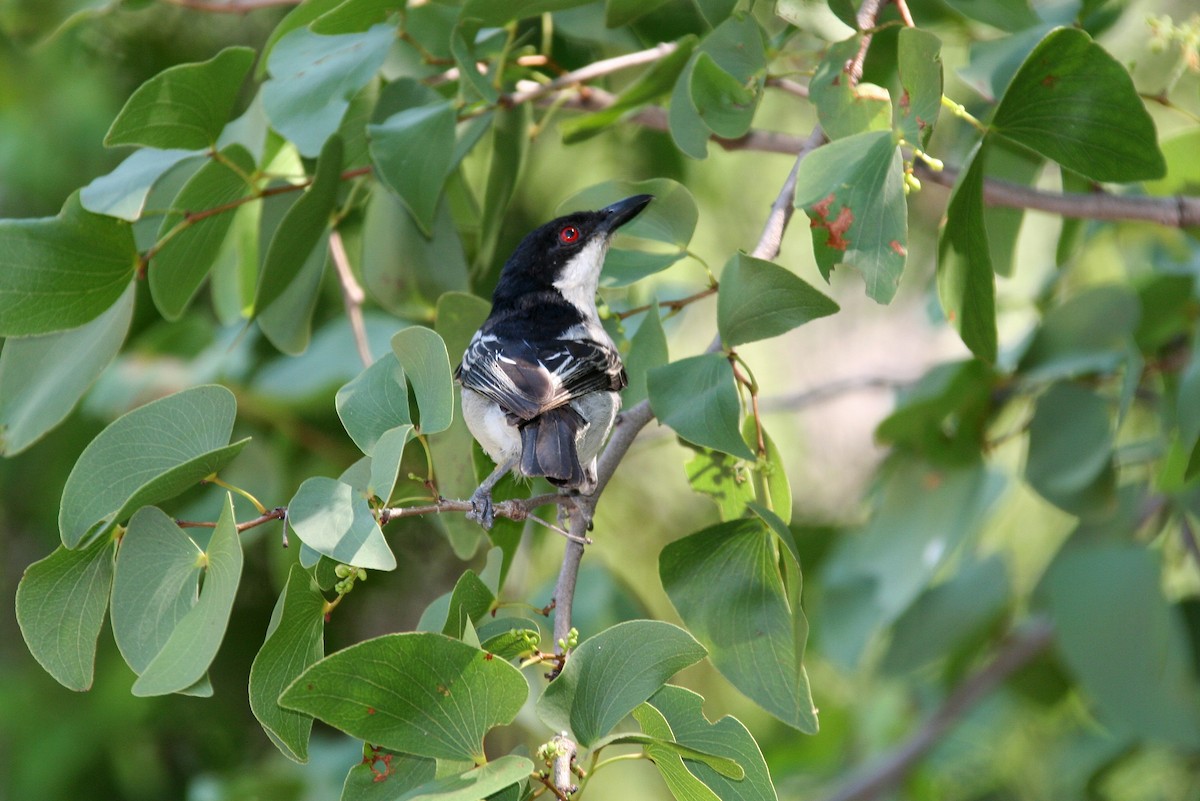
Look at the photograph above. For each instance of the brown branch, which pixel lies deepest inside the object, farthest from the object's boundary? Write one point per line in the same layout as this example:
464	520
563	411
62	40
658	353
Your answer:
905	15
592	71
771	239
278	513
352	295
1018	651
1178	211
674	305
231	7
867	14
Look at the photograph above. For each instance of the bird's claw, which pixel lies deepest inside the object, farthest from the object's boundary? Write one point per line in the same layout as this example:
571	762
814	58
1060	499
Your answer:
482	511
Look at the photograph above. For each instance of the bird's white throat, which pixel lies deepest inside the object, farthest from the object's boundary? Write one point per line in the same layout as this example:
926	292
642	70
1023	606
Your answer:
581	274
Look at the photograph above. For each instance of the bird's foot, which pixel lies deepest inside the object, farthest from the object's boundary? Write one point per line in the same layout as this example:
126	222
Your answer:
483	511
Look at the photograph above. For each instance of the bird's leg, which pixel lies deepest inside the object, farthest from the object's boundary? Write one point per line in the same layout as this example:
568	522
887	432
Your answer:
481	500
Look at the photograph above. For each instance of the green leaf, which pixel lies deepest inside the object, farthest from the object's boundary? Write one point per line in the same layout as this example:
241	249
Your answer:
386	458
1086	334
155	584
919	57
647	350
681	713
193	643
57	273
1006	15
966	283
772	477
1018	165
759	300
684	785
418	692
949	615
722	577
670	218
723	478
287	322
122	193
506	637
840	109
994	62
618	13
609	674
944	416
1187	403
60	605
698	399
385	775
184	106
148	455
489	12
459	315
1183	170
413	153
405	271
510	145
314	78
735	46
334	520
1074	103
301	229
422	354
873	575
463	39
295	640
1070	461
469	602
476	783
353	16
43	377
183	261
652	84
724	104
1123	642
374	402
853	193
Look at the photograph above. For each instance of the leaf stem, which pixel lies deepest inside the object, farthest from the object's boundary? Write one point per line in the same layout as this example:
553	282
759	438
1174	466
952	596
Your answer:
214	479
960	111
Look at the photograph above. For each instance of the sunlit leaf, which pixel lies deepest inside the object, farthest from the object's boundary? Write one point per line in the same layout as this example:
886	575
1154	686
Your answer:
332	519
697	398
759	300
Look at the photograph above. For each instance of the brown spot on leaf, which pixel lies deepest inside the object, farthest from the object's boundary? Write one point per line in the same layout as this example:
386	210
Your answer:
897	248
370	710
905	101
932	480
837	227
1049	81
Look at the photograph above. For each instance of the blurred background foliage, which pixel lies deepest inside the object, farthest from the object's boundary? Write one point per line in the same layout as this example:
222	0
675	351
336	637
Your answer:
65	70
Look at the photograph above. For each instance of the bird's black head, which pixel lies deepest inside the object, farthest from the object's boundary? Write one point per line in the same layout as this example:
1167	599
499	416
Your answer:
565	254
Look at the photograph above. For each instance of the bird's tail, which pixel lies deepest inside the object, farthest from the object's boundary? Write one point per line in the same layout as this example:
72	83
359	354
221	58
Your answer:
548	447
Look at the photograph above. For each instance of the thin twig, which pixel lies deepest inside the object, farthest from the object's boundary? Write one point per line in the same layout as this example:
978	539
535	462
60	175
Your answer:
352	295
1018	651
278	513
821	394
867	14
905	15
673	305
592	71
771	239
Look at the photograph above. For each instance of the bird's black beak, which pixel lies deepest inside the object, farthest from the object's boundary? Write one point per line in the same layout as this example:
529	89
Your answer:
623	211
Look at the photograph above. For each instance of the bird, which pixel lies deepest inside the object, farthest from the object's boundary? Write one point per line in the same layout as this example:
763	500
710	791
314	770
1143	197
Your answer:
540	378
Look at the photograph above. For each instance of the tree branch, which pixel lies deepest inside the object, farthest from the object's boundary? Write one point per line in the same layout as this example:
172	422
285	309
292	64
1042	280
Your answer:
1018	651
352	295
811	397
592	71
1179	211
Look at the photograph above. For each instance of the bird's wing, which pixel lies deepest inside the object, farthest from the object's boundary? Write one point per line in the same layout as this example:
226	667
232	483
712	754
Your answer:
529	378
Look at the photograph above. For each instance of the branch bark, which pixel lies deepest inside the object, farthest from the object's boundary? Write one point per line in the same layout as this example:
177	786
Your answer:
1017	652
352	295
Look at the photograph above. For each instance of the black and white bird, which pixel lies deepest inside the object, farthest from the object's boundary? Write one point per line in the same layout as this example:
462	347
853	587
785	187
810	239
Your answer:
541	377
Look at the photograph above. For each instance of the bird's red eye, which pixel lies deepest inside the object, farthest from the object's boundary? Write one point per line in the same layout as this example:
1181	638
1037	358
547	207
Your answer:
569	235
